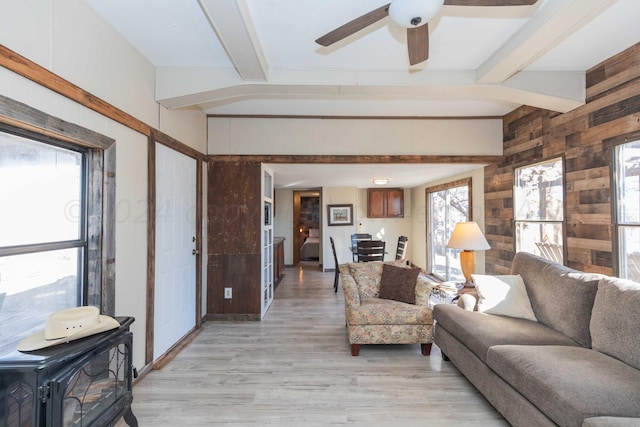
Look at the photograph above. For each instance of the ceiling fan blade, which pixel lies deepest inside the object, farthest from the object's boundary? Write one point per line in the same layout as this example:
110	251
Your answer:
418	43
354	26
489	2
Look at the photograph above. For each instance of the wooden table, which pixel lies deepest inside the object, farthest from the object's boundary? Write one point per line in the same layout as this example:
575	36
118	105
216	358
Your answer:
446	295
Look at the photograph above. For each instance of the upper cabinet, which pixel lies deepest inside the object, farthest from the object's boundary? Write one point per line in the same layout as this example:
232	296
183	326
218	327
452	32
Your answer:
385	203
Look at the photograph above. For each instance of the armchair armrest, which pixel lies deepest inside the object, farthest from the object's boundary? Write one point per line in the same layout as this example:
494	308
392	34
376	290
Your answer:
350	288
423	291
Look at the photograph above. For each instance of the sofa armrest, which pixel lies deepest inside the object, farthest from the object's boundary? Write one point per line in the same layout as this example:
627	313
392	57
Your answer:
467	302
423	291
350	288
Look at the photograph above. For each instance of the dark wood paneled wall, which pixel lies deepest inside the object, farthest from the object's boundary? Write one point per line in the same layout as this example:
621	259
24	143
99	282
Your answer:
234	213
584	137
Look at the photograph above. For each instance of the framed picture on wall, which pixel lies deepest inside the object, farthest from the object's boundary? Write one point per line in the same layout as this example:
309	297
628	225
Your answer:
340	214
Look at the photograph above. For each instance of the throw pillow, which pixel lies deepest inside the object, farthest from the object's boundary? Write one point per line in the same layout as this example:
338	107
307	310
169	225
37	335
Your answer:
503	295
399	283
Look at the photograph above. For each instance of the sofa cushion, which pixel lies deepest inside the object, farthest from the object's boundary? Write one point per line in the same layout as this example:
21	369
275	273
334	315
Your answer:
399	283
480	331
615	322
611	422
505	295
571	291
567	383
377	311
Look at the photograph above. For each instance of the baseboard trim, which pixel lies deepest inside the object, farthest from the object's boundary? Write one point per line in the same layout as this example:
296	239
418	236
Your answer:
163	360
233	317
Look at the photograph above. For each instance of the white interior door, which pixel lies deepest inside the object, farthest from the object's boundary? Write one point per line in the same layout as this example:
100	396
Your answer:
175	277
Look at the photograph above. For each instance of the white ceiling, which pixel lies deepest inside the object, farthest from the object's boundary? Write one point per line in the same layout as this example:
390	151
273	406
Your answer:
259	57
360	175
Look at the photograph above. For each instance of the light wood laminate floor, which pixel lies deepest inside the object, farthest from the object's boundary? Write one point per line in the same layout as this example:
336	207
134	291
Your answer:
295	369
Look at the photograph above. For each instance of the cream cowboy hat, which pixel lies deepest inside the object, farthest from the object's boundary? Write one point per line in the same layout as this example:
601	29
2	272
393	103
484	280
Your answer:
68	325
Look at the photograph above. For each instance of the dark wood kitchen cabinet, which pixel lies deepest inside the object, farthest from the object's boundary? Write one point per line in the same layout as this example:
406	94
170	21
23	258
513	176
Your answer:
385	203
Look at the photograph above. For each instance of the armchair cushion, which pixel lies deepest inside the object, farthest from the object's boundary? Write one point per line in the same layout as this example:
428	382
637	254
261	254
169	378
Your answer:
378	311
399	283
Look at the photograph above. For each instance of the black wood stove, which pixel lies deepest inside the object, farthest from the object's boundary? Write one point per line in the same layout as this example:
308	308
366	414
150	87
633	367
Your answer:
84	383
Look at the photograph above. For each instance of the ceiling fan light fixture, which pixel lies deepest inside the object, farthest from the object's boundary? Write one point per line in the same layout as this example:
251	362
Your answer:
380	181
413	13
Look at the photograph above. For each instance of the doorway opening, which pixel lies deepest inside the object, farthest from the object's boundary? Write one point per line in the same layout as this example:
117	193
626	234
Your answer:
307	236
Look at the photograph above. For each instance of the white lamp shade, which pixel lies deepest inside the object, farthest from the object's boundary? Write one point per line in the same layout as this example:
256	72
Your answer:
402	12
467	235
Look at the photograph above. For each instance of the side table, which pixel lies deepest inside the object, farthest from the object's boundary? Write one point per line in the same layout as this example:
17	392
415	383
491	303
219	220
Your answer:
468	290
449	292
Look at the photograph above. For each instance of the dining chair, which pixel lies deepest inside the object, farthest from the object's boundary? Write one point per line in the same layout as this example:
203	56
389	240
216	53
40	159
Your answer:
371	250
335	260
402	247
355	238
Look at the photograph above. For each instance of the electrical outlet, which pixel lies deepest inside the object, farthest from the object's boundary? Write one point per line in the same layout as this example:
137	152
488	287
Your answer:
227	293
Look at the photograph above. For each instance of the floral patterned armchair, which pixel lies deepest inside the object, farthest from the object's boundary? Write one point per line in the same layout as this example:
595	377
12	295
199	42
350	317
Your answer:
373	320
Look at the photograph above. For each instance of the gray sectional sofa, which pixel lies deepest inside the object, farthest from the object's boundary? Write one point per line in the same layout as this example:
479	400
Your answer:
577	365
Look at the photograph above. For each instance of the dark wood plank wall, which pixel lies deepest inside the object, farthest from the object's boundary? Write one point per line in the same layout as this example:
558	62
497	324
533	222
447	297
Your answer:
233	210
584	137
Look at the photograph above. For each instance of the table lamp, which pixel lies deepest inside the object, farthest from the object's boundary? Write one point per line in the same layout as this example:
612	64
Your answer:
468	237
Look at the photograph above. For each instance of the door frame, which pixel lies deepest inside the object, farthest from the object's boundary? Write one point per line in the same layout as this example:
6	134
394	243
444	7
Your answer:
296	227
161	138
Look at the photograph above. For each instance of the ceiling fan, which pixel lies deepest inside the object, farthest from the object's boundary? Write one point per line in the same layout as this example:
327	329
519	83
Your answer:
414	16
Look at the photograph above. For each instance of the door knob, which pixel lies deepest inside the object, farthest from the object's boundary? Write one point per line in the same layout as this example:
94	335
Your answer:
195	252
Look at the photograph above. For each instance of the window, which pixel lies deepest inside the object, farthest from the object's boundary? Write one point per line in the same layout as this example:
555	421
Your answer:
447	204
539	209
57	219
627	208
43	238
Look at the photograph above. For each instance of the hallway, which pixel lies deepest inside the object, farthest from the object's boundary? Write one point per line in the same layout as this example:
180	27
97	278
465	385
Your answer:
295	369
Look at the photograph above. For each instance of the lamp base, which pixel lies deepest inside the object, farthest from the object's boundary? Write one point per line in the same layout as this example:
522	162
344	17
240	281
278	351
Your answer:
468	265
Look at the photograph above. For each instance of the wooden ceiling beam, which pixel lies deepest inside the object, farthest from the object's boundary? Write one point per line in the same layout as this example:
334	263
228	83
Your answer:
555	22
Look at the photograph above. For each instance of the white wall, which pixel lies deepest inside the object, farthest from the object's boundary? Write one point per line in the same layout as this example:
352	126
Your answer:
239	135
187	126
68	38
283	221
131	232
418	237
341	234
